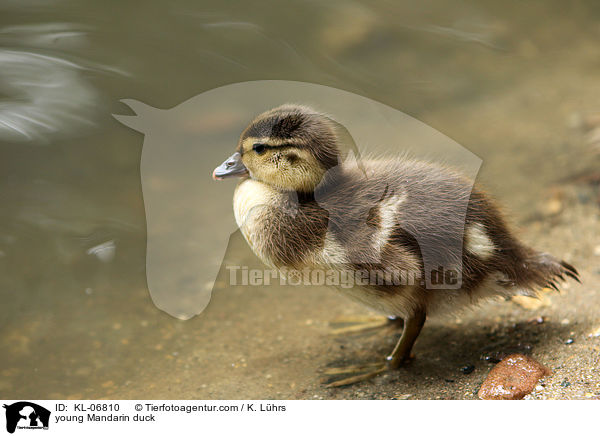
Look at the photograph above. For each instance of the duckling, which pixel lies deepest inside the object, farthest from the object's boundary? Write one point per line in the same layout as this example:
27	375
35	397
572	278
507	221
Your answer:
300	204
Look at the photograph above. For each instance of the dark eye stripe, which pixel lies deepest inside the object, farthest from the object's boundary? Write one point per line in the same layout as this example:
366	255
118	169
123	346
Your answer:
261	148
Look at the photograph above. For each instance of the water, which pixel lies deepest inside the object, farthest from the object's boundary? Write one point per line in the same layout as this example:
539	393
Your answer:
77	319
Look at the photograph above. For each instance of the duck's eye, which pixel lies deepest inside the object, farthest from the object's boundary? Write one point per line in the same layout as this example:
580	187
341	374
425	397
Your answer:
259	148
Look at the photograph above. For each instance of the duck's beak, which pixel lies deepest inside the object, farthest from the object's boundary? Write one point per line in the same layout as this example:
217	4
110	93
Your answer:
233	166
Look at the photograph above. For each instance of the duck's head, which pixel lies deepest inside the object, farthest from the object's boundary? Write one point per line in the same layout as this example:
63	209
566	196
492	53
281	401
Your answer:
290	147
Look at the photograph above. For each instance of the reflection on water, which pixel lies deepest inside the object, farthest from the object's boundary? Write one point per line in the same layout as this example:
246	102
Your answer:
501	79
46	97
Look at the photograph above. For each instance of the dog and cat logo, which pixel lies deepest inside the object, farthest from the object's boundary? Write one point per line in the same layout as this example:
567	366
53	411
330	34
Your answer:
26	415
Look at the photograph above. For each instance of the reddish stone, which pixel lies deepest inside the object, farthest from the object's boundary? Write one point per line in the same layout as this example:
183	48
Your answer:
512	378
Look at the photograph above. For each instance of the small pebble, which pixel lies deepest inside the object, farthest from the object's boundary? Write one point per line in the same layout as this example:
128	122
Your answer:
537	320
595	333
553	206
565	383
530	303
467	369
490	358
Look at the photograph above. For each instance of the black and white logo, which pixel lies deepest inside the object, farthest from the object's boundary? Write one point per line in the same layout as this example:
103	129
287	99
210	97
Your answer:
26	415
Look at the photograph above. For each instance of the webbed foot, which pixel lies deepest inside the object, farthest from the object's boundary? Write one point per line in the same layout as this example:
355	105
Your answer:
360	324
400	354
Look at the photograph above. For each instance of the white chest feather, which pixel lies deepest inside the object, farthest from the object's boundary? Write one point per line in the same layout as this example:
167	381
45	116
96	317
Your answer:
249	198
252	201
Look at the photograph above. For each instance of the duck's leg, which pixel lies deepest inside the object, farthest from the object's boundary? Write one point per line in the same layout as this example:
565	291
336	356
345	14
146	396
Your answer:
412	328
400	354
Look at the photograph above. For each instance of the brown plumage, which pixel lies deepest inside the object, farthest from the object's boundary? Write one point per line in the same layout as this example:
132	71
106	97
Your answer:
301	205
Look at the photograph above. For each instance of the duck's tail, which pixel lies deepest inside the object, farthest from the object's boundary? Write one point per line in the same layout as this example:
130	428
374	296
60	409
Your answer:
542	270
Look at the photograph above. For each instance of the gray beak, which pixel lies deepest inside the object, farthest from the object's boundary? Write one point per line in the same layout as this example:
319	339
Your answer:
233	166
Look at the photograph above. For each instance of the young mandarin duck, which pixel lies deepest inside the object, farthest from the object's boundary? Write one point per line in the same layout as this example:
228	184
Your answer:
299	205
